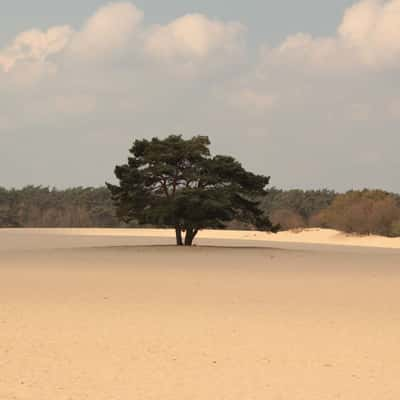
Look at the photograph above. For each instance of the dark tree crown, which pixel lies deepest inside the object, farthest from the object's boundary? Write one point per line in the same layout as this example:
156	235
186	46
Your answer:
175	182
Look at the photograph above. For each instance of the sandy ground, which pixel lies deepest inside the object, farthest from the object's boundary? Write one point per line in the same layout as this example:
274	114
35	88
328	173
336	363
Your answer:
66	237
107	315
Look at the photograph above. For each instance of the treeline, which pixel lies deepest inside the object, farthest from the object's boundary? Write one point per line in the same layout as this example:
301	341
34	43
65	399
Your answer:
363	212
36	206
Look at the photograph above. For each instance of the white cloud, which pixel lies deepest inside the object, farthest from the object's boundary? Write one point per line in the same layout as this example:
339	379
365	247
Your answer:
34	46
192	42
304	50
368	36
372	28
194	36
110	29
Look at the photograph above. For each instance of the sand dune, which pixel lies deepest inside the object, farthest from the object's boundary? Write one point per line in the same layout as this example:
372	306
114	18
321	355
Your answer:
306	236
116	314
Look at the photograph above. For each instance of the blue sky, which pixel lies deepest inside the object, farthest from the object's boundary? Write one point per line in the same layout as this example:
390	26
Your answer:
307	92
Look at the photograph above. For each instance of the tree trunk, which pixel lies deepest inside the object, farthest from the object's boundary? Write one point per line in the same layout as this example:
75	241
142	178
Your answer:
178	232
190	235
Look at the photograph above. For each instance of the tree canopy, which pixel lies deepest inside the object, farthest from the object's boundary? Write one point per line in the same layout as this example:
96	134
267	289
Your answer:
37	206
176	183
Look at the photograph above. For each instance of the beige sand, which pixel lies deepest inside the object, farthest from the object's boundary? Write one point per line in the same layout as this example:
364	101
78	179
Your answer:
306	236
98	315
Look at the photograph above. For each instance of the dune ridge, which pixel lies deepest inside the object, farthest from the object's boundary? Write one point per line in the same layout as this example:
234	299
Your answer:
306	236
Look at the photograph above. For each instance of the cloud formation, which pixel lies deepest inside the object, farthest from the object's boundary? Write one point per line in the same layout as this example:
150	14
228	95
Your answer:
372	28
35	46
194	36
111	29
368	36
311	97
116	28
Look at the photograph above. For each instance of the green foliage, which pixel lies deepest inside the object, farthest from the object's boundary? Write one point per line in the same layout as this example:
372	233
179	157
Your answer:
296	208
36	206
303	202
177	183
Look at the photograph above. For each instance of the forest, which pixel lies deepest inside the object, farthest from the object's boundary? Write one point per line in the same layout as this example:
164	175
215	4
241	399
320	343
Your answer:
361	212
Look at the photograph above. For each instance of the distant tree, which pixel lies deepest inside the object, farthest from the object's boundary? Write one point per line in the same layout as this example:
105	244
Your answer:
365	212
304	203
287	219
176	183
37	206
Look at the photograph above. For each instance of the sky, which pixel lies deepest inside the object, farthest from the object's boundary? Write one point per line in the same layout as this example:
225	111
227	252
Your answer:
306	92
